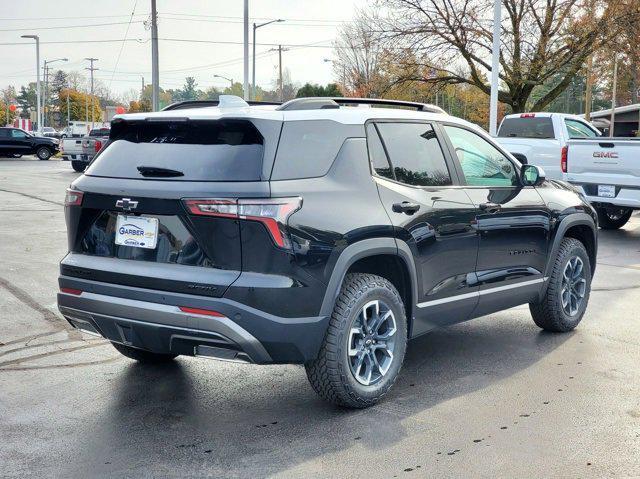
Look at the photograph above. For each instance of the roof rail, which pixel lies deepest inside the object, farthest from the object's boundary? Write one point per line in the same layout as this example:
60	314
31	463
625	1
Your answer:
317	103
314	103
182	105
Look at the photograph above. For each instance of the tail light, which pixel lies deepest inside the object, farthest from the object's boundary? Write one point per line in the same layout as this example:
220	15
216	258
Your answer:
75	292
528	115
98	145
272	212
563	158
73	197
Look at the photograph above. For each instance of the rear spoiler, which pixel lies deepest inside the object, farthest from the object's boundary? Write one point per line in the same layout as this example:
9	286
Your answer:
183	105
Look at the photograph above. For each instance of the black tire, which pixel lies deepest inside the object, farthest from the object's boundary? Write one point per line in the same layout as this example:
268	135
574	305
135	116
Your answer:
550	314
331	373
43	153
78	166
143	356
612	218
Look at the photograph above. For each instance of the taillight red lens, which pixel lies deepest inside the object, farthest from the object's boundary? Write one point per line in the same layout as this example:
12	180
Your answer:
206	312
272	212
528	115
563	158
73	197
75	292
98	145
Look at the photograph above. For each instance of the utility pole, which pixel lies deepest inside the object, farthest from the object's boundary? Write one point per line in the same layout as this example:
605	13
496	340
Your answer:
142	91
38	103
45	100
155	69
92	69
495	67
68	103
245	86
613	97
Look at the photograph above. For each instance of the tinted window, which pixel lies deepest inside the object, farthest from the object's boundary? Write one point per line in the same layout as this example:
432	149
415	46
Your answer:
377	156
415	154
100	132
4	133
577	129
18	134
482	163
202	150
527	127
308	148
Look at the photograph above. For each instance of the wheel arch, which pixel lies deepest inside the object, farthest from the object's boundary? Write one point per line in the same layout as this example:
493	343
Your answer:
384	257
580	226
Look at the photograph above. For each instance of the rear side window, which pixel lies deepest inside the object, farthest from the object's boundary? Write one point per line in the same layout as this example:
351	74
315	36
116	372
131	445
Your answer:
377	156
219	150
577	129
99	132
415	154
527	127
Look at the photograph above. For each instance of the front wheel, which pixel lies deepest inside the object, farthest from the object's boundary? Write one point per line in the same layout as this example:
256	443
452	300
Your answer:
364	345
143	356
613	218
567	294
78	166
43	153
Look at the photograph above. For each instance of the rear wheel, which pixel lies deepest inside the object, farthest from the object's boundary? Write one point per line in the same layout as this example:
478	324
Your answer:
612	218
43	153
79	166
364	346
143	356
567	295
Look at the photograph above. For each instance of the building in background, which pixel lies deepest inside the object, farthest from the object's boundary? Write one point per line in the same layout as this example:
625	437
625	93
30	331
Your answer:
627	120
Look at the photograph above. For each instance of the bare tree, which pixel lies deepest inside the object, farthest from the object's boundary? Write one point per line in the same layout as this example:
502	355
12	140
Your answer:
539	40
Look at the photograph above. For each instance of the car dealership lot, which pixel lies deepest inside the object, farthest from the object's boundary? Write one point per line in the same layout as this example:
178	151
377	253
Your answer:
494	397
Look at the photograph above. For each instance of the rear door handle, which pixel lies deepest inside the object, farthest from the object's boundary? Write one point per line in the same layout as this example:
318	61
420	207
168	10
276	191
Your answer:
405	207
490	207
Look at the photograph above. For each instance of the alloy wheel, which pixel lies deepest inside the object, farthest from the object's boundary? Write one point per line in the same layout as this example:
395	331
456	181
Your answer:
372	342
574	286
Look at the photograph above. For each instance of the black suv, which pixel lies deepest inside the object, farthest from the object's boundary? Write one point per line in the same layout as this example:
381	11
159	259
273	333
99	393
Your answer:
15	142
314	232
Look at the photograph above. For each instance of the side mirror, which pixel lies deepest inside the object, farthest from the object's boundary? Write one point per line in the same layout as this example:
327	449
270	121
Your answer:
532	175
520	157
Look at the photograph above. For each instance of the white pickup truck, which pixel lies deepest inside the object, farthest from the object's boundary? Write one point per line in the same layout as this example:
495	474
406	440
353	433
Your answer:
569	148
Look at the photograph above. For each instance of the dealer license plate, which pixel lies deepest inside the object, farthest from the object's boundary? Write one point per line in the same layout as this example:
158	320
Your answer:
137	231
607	191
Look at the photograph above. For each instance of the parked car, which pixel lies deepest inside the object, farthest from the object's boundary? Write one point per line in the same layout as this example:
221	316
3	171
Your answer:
50	132
71	149
94	142
314	233
15	142
569	148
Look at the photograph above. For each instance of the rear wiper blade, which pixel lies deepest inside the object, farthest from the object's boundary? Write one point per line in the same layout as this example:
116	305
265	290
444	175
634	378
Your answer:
157	171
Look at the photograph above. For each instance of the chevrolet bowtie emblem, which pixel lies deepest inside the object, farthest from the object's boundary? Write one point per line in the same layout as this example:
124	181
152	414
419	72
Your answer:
126	204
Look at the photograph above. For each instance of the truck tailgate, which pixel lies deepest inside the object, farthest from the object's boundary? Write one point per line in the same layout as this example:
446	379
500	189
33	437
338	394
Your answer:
610	161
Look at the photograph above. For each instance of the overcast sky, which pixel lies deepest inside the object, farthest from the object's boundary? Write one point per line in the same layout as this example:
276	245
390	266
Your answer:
306	22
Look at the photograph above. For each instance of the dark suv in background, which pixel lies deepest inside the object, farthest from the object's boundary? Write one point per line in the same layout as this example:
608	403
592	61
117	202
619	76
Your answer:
15	142
314	232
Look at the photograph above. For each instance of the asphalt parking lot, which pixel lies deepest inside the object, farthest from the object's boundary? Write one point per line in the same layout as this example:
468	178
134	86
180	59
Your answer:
494	397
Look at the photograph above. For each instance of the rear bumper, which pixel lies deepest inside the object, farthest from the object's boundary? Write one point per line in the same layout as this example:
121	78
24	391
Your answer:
152	320
626	196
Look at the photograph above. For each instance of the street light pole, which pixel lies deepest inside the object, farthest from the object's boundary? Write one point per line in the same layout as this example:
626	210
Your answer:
245	86
230	80
495	66
253	69
46	83
38	111
155	71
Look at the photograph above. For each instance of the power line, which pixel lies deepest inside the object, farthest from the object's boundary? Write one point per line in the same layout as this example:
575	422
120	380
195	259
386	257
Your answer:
67	18
285	24
67	26
181	40
323	20
135	3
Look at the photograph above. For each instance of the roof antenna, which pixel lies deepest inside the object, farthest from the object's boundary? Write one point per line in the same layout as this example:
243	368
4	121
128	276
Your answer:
231	101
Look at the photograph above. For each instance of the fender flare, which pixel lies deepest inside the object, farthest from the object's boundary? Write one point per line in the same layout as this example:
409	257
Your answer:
364	249
575	219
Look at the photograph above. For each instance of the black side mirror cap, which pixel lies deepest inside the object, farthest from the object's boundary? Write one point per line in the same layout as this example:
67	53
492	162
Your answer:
532	175
520	157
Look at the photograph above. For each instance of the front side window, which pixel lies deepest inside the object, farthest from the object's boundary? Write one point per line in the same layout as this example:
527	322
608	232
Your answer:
482	163
577	129
415	154
18	134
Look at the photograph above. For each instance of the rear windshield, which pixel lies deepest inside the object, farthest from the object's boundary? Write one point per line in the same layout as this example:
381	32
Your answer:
221	150
530	127
100	132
